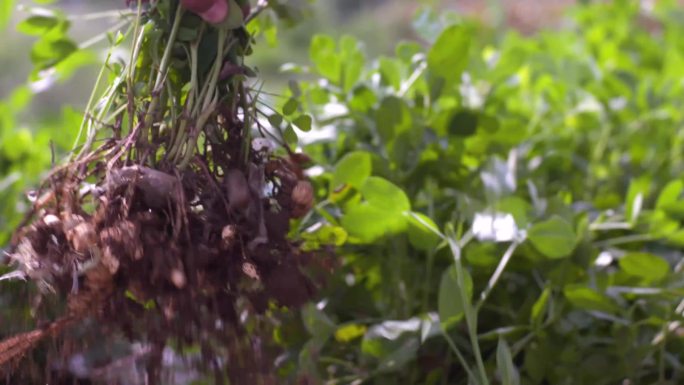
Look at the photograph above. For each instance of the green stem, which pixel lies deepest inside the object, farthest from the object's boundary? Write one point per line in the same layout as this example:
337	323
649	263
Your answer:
459	355
138	38
161	75
178	137
192	141
89	107
210	98
110	95
661	350
114	114
497	274
469	310
102	36
429	263
431	253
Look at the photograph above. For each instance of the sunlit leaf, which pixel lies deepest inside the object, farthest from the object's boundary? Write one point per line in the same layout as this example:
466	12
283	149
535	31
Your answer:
670	194
6	8
366	223
349	332
385	195
37	25
325	57
353	169
352	61
448	57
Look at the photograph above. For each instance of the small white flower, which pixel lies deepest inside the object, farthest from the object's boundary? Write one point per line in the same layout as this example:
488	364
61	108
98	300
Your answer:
495	227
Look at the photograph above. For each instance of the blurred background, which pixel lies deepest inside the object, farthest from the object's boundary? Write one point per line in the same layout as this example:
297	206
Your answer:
377	23
41	114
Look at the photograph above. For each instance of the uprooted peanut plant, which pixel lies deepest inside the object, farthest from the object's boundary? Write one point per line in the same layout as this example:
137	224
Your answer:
169	222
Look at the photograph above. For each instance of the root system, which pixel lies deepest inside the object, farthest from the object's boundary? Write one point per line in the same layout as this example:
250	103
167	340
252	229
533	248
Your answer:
175	229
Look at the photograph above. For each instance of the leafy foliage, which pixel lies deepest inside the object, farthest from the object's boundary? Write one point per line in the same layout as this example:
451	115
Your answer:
513	208
506	210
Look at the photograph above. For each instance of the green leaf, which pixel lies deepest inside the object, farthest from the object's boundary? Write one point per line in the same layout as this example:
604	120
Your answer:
325	235
316	322
406	51
16	144
37	25
363	99
400	357
390	70
537	362
326	60
115	39
46	53
647	266
271	34
290	136
504	363
308	359
349	332
290	107
555	237
366	223
392	118
66	68
585	298
451	307
385	195
319	95
382	212
636	194
516	206
539	307
353	169
393	343
674	209
6	8
448	57
352	62
423	233
670	194
463	123
275	120
303	122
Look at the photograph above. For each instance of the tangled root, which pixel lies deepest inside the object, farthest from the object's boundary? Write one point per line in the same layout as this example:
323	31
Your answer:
162	257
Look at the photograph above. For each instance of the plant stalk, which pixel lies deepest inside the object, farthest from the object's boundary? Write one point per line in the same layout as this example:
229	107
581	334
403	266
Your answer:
497	274
161	75
469	310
